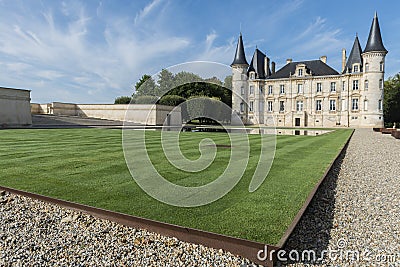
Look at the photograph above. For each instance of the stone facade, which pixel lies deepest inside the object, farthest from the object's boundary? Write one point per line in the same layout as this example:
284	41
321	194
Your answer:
15	107
310	93
137	113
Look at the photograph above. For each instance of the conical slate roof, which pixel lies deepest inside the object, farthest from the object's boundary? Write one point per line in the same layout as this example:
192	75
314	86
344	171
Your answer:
374	42
257	64
355	55
240	57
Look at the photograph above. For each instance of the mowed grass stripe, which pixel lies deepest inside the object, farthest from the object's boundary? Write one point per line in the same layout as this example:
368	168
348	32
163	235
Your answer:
88	166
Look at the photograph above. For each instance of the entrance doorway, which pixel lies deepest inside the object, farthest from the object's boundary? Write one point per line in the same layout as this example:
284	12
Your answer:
297	122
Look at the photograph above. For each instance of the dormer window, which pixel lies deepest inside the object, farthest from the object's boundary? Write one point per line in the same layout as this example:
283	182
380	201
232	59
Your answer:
355	68
300	72
252	75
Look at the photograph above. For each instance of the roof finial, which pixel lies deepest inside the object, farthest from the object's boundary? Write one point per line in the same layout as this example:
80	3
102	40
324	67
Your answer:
376	14
356	34
240	26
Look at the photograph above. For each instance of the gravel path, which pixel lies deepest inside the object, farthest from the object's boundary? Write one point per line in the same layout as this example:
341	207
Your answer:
40	234
357	210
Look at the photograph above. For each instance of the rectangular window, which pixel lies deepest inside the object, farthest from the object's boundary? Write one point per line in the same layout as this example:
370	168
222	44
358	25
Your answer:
380	105
282	88
356	68
354	104
381	66
380	84
299	105
300	72
366	85
365	105
318	105
270	89
332	105
241	107
261	89
300	88
333	87
251	107
319	87
355	85
242	90
282	106
251	89
366	67
270	106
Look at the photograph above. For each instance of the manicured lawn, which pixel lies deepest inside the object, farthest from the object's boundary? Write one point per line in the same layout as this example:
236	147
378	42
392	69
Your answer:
88	166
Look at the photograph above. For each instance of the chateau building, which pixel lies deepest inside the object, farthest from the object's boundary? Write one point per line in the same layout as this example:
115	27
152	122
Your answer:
311	93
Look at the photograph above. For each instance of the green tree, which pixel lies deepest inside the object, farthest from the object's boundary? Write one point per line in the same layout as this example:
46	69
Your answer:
123	100
146	86
391	104
228	82
166	81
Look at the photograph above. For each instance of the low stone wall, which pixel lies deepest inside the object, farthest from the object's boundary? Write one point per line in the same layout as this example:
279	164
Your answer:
15	107
137	113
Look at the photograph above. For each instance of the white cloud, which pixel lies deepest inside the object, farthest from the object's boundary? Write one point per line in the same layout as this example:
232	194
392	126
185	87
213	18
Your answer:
142	14
50	51
217	53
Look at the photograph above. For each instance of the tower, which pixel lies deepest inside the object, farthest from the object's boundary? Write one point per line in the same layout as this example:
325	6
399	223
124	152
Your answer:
239	81
373	58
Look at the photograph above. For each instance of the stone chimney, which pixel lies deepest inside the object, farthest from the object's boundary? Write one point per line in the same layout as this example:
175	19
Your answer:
323	59
266	66
343	59
289	60
273	67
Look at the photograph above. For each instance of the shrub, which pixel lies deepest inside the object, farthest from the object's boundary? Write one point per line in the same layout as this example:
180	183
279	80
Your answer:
146	99
171	100
122	100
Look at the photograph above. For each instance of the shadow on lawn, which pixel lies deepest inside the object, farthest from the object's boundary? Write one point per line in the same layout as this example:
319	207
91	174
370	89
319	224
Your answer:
313	230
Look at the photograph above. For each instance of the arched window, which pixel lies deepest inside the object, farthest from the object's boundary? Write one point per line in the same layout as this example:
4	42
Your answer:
242	107
366	67
366	85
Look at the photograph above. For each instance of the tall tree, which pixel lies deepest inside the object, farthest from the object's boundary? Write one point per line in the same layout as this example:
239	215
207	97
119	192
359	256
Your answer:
391	104
145	86
166	81
228	82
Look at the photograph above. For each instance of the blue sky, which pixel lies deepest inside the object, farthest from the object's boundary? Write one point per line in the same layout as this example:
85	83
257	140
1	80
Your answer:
92	51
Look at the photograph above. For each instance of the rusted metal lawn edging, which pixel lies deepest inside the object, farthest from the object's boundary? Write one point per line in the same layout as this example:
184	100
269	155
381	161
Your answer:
310	197
242	247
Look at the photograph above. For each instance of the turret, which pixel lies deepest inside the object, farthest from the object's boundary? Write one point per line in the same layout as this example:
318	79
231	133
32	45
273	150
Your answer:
239	81
355	62
374	75
374	42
